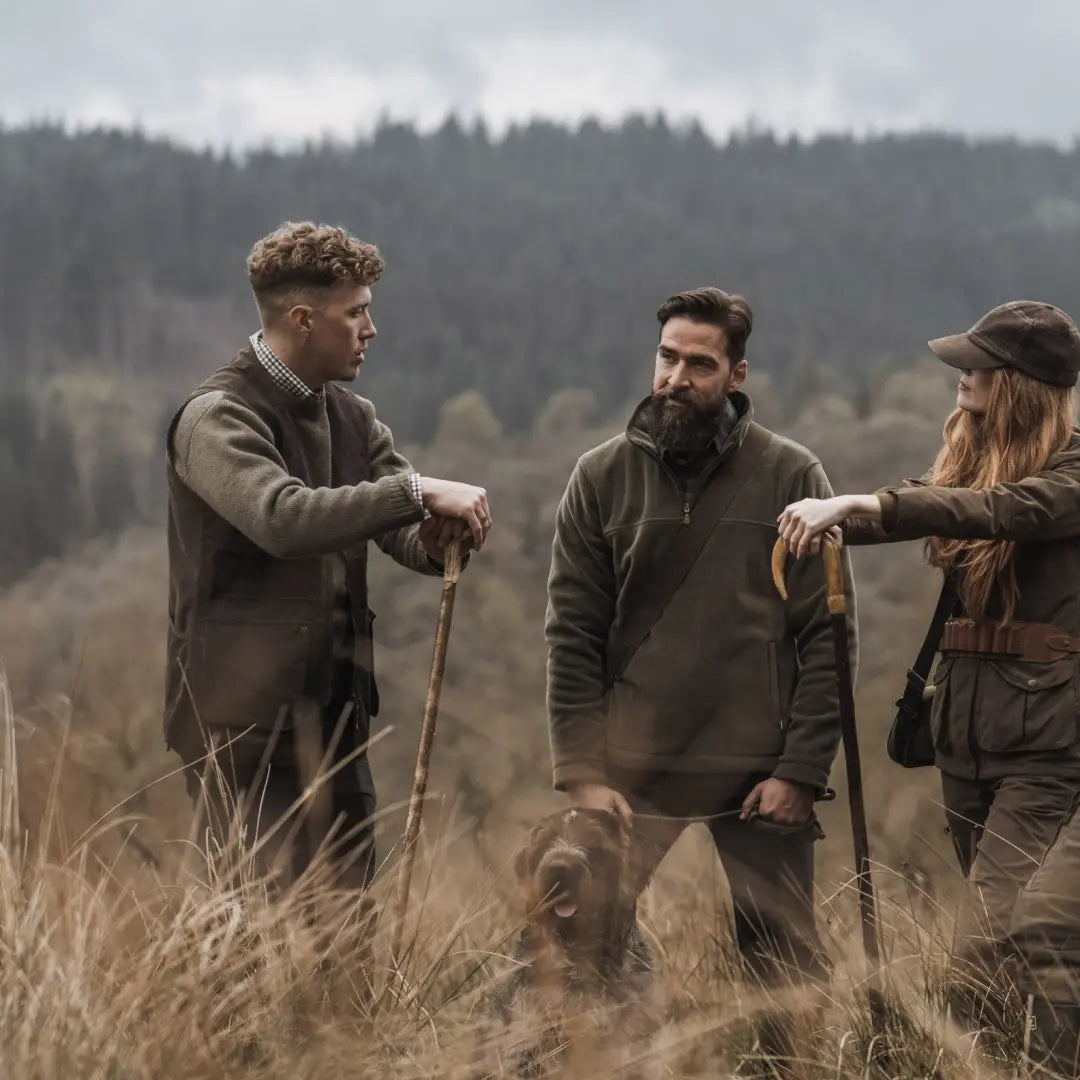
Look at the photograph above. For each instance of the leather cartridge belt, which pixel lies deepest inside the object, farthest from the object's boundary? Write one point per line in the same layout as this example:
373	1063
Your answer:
1038	643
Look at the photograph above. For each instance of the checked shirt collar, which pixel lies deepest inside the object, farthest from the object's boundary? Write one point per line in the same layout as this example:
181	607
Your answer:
282	375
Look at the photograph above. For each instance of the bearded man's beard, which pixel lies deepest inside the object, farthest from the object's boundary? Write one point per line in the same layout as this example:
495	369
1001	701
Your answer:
682	422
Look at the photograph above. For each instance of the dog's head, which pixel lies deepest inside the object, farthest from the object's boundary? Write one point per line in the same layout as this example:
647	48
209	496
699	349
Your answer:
581	872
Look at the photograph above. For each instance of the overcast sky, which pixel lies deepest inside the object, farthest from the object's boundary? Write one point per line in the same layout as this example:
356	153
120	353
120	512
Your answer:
241	72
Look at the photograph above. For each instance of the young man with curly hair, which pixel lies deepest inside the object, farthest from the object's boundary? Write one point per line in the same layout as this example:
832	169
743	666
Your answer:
278	477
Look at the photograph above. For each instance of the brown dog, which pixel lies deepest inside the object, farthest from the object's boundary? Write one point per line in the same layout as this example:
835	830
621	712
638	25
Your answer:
583	975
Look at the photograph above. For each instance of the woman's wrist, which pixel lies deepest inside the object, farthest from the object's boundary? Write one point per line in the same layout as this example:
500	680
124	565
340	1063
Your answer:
866	507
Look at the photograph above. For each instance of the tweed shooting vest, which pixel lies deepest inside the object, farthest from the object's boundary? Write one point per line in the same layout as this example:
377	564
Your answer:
250	633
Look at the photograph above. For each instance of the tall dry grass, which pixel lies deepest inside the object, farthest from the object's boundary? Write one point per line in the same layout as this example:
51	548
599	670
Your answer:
122	964
130	948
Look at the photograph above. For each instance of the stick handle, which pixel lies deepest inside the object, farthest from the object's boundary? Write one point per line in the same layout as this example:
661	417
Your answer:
451	573
834	573
834	576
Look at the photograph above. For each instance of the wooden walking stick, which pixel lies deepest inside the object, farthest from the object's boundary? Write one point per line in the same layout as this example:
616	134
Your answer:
451	573
834	589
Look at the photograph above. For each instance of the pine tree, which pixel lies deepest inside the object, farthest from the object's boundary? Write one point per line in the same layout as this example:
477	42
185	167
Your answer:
53	497
112	486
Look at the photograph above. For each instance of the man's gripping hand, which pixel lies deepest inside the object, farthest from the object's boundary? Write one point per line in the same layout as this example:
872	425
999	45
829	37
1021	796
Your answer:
463	502
784	802
600	797
437	533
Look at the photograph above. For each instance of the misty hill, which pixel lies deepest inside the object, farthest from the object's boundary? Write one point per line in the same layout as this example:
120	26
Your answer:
535	262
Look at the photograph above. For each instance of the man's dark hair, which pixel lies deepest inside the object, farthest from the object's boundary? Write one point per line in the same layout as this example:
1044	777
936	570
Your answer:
711	305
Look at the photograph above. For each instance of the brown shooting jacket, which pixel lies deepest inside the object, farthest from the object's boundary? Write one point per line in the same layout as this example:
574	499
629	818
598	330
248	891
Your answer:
996	716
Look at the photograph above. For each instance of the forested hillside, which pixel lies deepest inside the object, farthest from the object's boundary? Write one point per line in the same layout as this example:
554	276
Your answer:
516	267
535	262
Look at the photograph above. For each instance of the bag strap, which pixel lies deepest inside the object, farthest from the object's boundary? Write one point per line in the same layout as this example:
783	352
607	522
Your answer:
917	674
672	569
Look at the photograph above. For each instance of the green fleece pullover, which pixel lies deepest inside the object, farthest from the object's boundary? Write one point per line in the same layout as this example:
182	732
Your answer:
731	679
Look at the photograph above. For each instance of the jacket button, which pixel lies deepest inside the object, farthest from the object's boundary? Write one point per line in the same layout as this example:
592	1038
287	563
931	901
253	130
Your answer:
302	629
1033	682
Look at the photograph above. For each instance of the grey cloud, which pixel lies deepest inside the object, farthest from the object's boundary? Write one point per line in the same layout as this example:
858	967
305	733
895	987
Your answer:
982	66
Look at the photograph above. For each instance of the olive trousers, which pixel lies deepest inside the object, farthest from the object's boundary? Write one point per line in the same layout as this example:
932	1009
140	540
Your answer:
1001	830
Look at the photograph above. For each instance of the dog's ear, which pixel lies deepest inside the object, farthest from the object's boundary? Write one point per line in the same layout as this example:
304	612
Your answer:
531	850
641	858
636	849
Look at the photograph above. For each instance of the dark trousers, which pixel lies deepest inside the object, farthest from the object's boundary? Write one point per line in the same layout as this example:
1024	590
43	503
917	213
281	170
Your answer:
1001	830
770	869
288	791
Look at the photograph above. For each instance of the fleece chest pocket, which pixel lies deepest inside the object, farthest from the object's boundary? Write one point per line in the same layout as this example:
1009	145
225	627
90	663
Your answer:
1023	706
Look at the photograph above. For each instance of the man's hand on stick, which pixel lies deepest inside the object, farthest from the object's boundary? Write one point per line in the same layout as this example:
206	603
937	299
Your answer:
464	502
438	533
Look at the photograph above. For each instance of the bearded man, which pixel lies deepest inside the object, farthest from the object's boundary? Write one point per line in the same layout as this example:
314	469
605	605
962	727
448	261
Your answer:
680	686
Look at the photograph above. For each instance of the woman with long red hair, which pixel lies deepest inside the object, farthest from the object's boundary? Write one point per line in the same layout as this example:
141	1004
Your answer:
1000	516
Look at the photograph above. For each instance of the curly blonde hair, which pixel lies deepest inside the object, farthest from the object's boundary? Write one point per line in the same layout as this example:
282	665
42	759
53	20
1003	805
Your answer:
299	256
1026	422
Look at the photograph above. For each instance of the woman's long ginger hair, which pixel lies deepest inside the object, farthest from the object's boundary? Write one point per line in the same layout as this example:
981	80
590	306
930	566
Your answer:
1025	423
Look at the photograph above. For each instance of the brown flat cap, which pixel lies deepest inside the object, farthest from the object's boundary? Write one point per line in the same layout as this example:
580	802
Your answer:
1029	335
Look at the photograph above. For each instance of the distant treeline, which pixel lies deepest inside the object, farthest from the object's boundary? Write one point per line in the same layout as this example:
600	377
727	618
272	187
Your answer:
534	262
50	500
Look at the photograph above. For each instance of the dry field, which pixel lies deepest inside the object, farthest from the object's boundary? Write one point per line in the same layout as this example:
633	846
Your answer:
120	962
128	951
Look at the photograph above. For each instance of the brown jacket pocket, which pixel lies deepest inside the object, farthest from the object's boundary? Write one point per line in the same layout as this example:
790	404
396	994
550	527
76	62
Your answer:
245	671
942	727
1023	706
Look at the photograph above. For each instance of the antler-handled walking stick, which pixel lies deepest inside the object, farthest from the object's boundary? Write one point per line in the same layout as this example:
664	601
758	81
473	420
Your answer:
451	573
834	589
